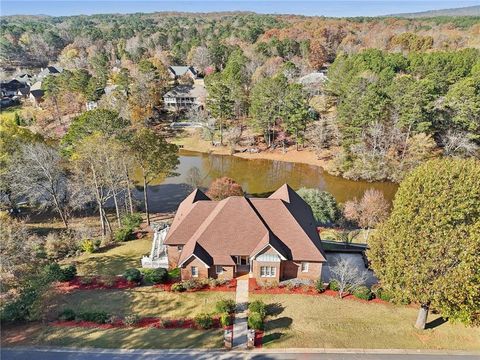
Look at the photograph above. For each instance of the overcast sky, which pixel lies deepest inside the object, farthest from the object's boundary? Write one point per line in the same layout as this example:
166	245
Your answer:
335	8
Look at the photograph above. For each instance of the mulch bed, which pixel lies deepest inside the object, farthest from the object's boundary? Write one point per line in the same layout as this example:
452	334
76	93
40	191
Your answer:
227	287
254	288
146	322
258	342
95	283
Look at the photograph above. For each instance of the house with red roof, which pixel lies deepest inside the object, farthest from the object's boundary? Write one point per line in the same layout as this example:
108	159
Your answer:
270	239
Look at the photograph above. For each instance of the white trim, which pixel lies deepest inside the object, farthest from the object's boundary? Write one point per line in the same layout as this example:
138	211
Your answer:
306	264
268	271
191	271
188	258
281	256
216	269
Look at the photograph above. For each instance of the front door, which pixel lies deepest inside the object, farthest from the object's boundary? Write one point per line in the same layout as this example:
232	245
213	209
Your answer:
243	265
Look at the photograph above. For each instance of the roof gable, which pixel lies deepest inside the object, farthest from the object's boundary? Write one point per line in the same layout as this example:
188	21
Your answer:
241	226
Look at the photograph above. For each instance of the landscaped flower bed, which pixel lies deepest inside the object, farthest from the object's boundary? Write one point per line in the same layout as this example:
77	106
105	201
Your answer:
254	288
96	282
146	322
199	285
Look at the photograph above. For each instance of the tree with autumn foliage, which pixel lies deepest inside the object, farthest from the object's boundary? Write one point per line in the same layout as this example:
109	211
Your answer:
428	251
367	212
224	187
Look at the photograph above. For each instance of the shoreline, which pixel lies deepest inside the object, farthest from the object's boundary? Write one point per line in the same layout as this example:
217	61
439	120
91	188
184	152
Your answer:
291	154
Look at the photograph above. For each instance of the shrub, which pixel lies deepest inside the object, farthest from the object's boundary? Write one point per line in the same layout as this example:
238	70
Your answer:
174	274
109	281
113	319
124	234
53	272
383	294
133	275
363	292
86	280
319	286
60	245
67	315
225	306
99	317
178	287
225	319
194	284
132	221
154	276
213	283
69	272
204	320
258	307
334	285
131	319
88	246
255	321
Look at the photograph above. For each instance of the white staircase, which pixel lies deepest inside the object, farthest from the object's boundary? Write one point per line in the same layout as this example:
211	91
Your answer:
158	255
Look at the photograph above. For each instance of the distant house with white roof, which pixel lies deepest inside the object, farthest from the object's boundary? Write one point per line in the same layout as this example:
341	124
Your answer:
184	97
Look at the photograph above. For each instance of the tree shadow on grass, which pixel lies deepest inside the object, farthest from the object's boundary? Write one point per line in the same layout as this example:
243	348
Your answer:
279	323
274	309
434	323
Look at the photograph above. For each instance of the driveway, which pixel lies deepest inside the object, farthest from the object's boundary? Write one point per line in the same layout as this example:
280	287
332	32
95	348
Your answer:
104	354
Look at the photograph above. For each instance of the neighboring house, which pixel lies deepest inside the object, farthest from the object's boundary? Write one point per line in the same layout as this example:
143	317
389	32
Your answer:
49	70
184	97
313	82
270	239
177	72
10	88
91	105
36	93
23	92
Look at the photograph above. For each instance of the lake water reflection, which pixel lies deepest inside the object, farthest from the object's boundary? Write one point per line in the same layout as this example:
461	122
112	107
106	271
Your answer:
257	177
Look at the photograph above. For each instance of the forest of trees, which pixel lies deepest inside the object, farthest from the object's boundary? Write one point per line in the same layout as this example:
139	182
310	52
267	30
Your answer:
399	91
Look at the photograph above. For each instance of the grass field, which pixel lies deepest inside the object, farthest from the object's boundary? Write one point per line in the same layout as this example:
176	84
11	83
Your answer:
131	338
145	301
323	321
113	261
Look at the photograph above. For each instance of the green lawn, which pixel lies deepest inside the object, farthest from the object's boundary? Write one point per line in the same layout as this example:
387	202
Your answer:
113	261
145	301
324	321
129	338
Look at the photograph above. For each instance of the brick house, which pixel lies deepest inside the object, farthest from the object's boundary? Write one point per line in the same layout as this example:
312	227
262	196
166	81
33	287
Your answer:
270	239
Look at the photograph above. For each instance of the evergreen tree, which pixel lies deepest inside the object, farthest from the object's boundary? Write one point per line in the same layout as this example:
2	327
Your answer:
428	251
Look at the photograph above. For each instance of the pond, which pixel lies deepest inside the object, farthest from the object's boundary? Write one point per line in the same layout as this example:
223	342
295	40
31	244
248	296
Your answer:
257	177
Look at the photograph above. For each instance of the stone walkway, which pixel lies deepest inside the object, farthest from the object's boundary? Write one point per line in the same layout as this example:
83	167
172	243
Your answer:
240	328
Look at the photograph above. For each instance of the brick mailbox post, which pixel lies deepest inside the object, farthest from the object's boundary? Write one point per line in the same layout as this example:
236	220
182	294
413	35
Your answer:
228	338
251	338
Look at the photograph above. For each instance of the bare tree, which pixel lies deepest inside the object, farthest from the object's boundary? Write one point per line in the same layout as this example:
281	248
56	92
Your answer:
208	123
200	58
323	133
458	143
38	174
92	177
194	177
233	136
347	275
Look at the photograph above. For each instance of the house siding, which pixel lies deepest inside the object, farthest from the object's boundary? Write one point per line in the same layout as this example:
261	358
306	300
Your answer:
173	256
186	270
228	273
293	270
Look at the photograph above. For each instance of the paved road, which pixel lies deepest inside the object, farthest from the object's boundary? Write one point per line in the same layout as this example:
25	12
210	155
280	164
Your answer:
101	354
